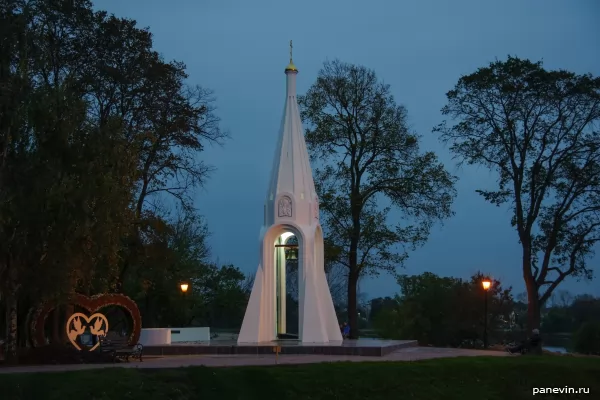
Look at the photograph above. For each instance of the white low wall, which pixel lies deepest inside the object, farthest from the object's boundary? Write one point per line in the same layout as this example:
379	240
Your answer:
155	336
197	334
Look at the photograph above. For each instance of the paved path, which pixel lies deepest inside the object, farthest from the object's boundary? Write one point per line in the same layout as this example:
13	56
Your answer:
407	354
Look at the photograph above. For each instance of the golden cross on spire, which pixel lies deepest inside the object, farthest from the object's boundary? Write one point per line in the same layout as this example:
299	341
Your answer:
291	66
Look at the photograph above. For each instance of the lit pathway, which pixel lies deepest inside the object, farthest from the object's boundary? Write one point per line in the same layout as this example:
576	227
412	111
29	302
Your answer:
407	354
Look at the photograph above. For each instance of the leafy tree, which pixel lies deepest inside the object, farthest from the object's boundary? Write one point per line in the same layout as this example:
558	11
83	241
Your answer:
442	311
587	338
14	85
536	129
380	304
389	322
110	64
173	251
93	124
585	308
336	273
176	251
571	314
66	183
168	121
226	292
557	320
368	157
69	192
520	310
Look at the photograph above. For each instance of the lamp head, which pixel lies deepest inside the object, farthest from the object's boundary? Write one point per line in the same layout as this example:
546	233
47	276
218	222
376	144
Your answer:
486	283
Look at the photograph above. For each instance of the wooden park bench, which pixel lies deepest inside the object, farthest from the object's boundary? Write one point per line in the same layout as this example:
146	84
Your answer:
118	346
530	346
533	347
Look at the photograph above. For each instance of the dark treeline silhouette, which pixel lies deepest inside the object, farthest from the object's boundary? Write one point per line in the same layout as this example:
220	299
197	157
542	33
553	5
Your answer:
444	311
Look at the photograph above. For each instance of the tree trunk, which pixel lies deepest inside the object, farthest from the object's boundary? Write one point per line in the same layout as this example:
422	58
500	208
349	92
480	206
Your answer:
353	264
352	300
11	328
533	302
148	321
12	316
55	323
27	328
533	310
533	314
68	309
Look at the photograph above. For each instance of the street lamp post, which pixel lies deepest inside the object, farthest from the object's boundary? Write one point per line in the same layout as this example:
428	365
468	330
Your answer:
486	283
184	288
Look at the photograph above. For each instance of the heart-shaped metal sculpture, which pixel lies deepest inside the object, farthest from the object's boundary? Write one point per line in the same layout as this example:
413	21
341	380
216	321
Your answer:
97	323
92	305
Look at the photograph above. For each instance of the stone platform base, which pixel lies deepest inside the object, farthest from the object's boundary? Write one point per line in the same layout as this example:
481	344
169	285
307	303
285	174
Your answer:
360	347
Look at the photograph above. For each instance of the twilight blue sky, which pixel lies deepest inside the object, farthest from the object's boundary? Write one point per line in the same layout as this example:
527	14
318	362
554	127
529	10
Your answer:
239	49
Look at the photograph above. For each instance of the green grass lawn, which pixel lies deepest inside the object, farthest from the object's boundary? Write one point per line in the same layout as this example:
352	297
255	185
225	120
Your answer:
502	378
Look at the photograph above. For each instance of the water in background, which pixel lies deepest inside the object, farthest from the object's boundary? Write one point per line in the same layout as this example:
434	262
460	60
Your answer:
555	349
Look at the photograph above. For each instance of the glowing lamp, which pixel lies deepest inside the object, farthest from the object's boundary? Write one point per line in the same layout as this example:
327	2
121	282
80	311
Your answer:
486	283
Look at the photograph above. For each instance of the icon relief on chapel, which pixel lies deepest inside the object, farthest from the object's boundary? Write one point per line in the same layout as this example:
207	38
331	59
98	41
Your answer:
285	207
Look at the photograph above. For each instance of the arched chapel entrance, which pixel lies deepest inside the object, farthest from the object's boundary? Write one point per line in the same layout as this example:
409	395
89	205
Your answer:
287	272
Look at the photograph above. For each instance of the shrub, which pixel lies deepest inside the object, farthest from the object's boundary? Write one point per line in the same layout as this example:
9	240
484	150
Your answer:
587	339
